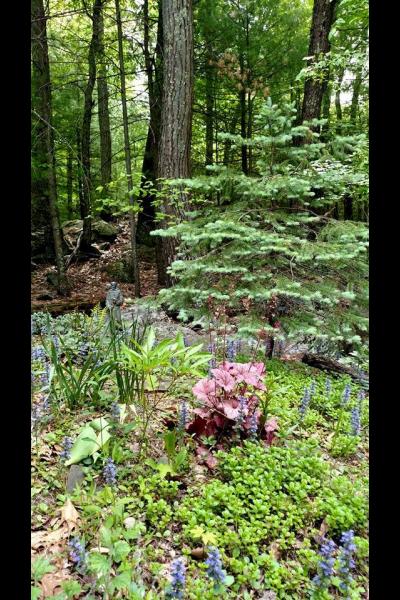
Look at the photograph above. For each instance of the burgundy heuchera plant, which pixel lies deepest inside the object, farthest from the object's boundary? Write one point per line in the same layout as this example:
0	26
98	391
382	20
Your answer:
229	401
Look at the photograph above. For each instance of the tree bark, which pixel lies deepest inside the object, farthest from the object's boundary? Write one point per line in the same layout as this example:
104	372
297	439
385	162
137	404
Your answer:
228	143
314	89
42	87
338	106
69	183
86	198
243	123
128	162
326	107
153	67
176	117
355	98
103	115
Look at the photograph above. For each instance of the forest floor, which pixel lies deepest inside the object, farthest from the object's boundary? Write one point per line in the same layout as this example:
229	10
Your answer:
267	508
88	279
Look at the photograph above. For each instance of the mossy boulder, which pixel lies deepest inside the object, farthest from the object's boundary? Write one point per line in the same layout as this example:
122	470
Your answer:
101	231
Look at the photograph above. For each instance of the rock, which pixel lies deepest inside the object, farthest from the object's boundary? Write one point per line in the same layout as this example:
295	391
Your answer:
75	477
101	231
198	553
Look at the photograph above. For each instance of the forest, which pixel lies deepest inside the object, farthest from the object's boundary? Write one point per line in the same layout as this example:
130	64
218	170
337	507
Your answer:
199	299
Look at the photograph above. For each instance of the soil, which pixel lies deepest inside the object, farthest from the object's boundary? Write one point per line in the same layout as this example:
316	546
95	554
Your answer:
88	280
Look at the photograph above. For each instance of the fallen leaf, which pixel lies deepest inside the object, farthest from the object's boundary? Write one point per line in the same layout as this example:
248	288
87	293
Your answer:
45	538
52	581
70	515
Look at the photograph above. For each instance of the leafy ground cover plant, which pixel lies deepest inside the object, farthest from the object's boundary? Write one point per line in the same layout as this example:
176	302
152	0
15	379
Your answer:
267	509
230	402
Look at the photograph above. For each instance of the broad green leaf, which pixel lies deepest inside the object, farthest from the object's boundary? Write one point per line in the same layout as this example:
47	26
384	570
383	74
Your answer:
99	564
40	567
85	445
121	550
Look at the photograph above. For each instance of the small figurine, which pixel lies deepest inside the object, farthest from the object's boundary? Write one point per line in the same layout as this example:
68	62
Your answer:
114	300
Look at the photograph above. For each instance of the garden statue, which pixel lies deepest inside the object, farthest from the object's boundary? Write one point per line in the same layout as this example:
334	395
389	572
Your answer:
114	300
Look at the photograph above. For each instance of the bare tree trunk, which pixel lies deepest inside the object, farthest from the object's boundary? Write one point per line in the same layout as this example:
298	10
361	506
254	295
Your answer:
355	98
69	183
79	167
314	89
209	116
243	124
86	199
176	116
153	66
103	115
128	162
326	107
338	105
42	86
250	130
228	143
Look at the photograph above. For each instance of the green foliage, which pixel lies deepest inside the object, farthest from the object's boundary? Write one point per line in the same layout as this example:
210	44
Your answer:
167	362
88	443
265	498
273	236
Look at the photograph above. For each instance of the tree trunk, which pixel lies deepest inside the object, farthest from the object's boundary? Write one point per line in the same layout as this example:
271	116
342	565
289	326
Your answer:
69	183
79	168
348	208
176	117
86	199
128	162
314	89
355	98
42	87
326	107
209	116
228	143
103	115
250	130
153	69
243	125
338	105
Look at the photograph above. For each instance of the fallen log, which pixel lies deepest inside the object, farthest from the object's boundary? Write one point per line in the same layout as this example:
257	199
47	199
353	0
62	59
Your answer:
329	364
61	306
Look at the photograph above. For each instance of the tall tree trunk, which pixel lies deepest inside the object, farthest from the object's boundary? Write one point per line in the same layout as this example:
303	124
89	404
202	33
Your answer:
103	115
42	88
338	105
243	111
326	108
176	116
86	199
314	89
79	169
208	21
153	67
250	130
209	116
355	97
348	208
69	183
228	143
128	162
